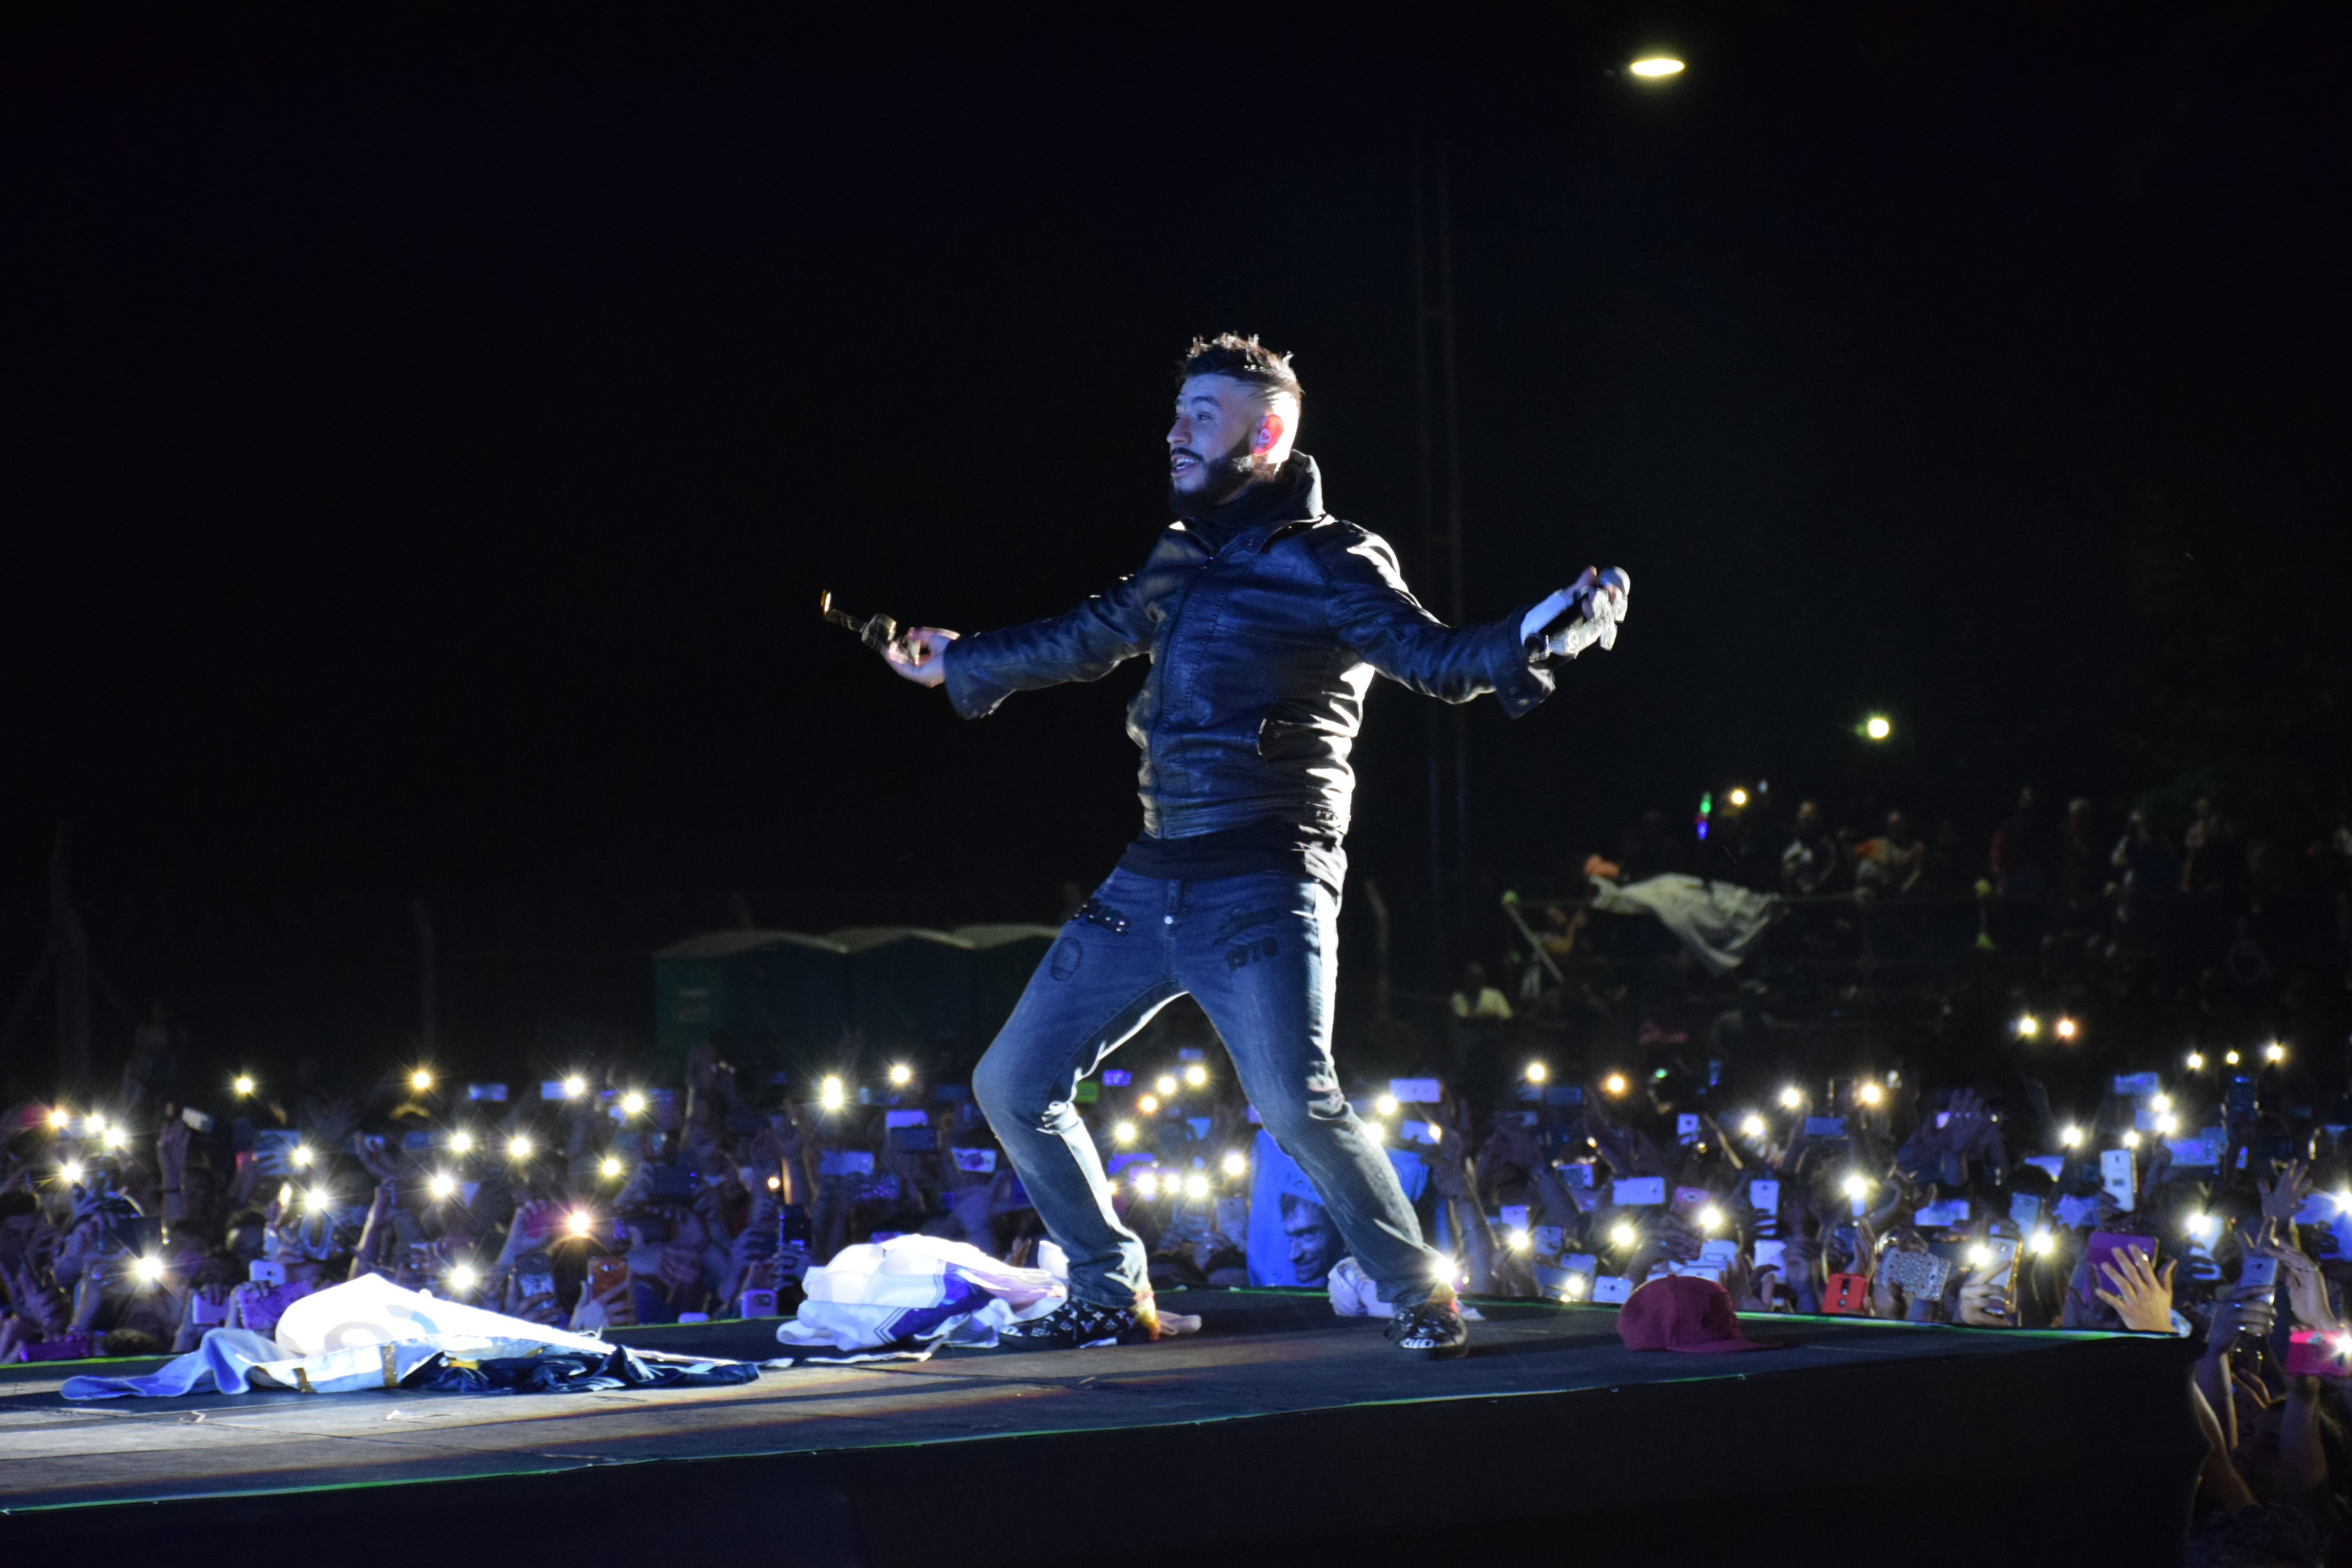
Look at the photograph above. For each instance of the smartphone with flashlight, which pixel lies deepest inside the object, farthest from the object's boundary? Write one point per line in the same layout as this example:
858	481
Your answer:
2259	1273
2318	1353
605	1273
265	1271
2118	1177
535	1274
1845	1294
207	1314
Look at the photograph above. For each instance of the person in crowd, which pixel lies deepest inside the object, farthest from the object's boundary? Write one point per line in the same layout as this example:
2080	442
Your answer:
1809	864
1894	862
2024	853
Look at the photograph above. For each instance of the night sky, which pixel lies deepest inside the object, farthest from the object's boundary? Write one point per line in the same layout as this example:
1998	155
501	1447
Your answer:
425	443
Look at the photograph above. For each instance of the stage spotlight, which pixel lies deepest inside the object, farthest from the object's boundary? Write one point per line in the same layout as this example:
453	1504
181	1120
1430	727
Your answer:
829	1094
901	1075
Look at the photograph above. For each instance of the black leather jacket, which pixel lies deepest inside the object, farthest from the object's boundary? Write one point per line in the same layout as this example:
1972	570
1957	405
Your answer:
1261	650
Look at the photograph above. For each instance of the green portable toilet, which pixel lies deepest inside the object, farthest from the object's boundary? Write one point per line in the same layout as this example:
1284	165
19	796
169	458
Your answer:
1003	958
909	990
781	998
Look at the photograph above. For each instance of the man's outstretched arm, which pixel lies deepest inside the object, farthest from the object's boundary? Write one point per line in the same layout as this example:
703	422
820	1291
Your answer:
981	671
1376	615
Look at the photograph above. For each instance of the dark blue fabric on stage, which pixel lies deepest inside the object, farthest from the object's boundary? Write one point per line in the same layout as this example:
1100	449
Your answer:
572	1372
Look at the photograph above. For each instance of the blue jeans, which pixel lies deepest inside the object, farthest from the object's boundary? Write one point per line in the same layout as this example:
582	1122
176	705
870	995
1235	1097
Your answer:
1260	955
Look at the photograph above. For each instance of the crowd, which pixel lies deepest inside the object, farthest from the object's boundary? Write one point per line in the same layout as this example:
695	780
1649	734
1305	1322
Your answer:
2207	1195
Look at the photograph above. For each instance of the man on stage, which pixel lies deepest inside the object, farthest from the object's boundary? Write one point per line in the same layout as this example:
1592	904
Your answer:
1264	619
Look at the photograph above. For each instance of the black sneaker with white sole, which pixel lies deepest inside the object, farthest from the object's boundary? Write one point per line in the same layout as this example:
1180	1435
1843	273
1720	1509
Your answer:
1431	1332
1076	1324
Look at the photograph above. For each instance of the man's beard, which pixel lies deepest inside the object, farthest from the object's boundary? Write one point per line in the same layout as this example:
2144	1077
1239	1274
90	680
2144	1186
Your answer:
1223	478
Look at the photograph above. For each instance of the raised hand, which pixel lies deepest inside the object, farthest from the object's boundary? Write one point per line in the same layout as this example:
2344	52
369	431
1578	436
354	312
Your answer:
1984	1304
2281	1199
2142	1295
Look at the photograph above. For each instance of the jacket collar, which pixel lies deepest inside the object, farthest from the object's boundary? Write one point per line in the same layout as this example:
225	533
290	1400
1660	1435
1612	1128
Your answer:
1293	496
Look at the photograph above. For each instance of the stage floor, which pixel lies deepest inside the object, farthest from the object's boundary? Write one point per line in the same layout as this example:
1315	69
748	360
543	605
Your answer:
1273	1375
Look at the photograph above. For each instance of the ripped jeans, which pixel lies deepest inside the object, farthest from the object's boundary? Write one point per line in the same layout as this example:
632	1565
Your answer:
1259	953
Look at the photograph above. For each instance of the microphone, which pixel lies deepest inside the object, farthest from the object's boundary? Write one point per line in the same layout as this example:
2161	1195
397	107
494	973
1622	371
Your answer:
1591	615
880	633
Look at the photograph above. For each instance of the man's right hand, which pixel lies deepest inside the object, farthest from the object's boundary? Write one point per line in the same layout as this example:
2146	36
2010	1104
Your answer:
921	655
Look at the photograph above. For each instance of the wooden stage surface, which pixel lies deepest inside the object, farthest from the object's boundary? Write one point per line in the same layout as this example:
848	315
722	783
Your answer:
1274	1373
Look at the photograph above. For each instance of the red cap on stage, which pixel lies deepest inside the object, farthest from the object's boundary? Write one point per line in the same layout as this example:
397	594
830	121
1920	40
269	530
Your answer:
1682	1312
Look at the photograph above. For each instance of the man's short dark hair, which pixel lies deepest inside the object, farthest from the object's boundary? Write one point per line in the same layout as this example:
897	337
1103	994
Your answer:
1242	358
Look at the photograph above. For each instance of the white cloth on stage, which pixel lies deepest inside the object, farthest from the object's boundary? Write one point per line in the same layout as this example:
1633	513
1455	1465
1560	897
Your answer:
369	1333
912	1293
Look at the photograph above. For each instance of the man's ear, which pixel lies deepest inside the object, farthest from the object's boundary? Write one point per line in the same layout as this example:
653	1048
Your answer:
1270	429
